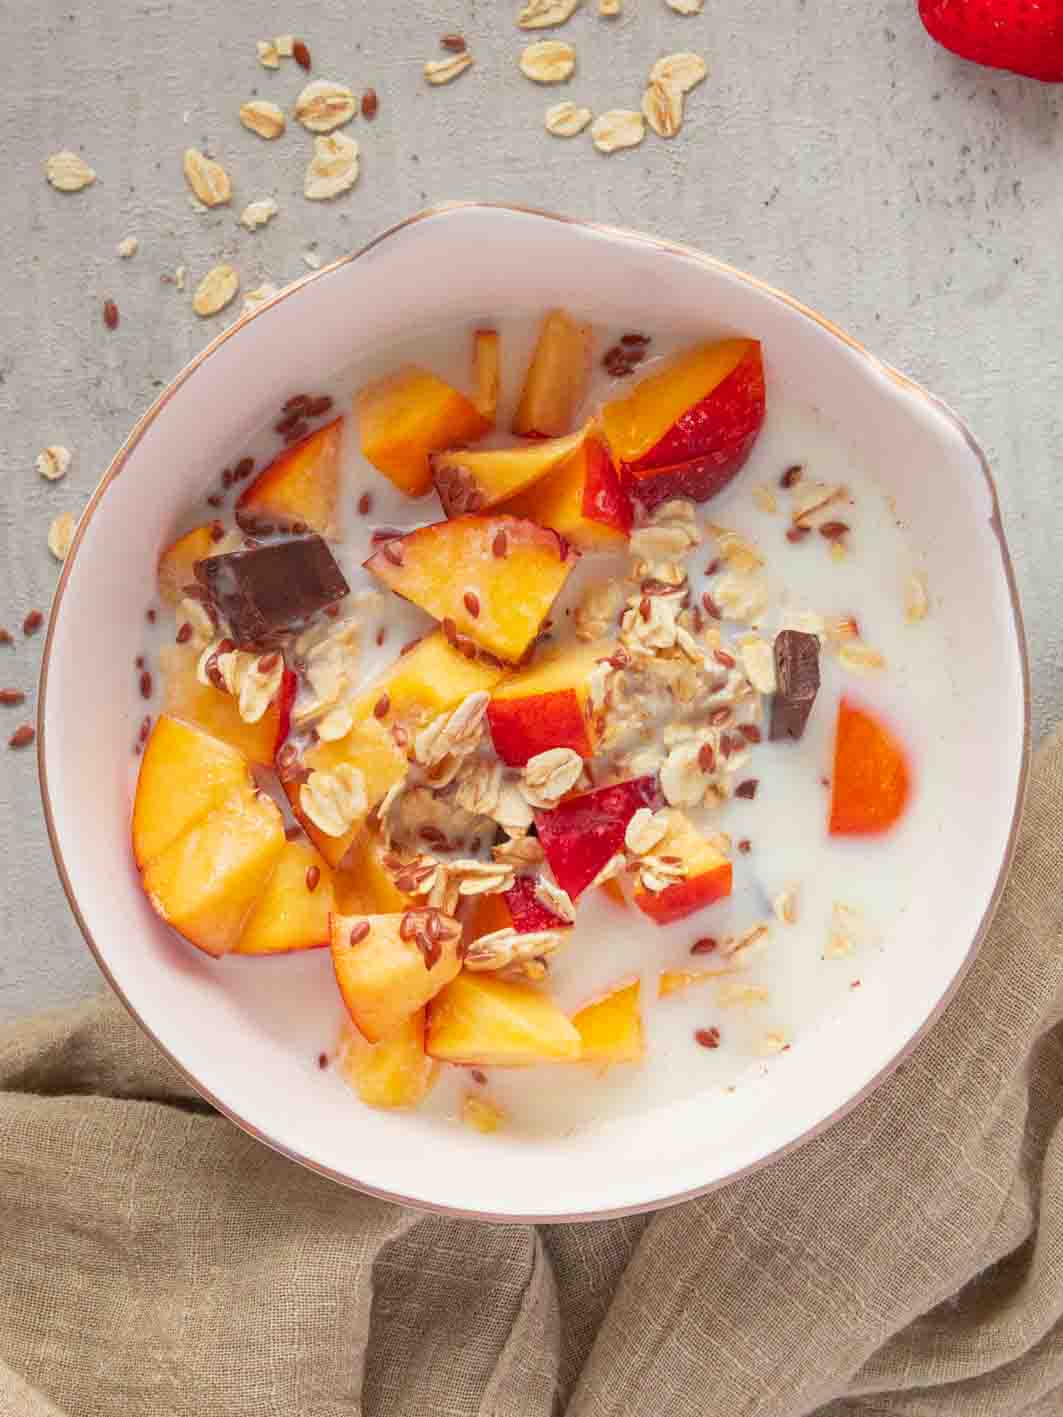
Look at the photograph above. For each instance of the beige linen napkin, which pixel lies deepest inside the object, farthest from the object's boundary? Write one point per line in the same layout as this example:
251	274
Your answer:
154	1260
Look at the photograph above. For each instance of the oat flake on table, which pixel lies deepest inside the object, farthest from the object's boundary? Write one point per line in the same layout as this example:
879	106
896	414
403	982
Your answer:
263	118
53	462
217	288
333	168
548	61
445	71
685	7
208	179
257	214
60	535
662	105
682	71
68	172
565	120
545	14
324	105
609	9
128	247
616	129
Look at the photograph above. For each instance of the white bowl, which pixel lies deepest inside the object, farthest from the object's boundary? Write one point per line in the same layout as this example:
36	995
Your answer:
247	1038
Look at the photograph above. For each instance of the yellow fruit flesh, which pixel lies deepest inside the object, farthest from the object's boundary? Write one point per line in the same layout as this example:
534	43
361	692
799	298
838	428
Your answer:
610	1029
288	915
364	886
184	773
486	372
556	671
301	484
382	977
557	378
557	502
408	415
370	747
177	562
393	1073
500	473
432	677
213	710
493	1023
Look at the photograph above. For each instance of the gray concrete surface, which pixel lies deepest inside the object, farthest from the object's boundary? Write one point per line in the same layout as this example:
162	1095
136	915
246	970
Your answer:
834	150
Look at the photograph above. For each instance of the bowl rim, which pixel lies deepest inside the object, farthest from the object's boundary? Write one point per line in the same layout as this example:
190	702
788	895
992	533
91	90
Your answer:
664	244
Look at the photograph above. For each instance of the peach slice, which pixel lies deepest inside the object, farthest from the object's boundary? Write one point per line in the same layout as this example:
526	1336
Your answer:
472	481
382	976
489	579
428	679
299	489
177	562
487	1022
557	379
184	774
547	705
486	373
396	1072
216	712
206	882
708	875
583	500
293	911
687	430
610	1028
871	783
581	834
365	887
408	415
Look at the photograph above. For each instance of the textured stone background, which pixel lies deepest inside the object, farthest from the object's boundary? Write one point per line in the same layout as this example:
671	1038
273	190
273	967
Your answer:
834	151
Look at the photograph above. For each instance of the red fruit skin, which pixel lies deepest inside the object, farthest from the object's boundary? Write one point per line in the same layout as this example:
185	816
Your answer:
529	914
582	833
708	445
604	498
285	699
1024	36
678	901
521	728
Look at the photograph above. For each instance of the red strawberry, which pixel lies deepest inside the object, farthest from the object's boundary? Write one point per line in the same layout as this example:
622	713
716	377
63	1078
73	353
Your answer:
1025	36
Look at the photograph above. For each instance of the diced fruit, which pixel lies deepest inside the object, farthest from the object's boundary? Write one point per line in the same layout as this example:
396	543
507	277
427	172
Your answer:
546	705
557	378
364	887
610	1028
708	875
487	914
473	481
871	783
292	912
395	1072
177	562
384	978
184	774
486	1022
582	833
527	911
432	677
217	712
583	500
615	891
486	373
205	883
299	489
677	981
491	579
481	1114
687	430
408	415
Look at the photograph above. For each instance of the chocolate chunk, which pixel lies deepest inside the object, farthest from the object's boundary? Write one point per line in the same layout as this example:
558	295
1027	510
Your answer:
796	682
270	588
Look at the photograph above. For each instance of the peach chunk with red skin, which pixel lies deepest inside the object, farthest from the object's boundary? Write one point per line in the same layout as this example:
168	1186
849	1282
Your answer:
547	705
491	580
557	379
688	429
871	783
582	833
583	500
383	974
217	712
472	480
610	1028
708	878
409	415
298	491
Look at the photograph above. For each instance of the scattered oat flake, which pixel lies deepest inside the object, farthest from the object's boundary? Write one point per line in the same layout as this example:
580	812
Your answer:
682	71
784	907
67	172
261	293
257	214
217	288
208	179
616	129
481	1114
128	247
268	54
53	462
285	45
544	14
916	599
609	9
565	120
312	259
179	277
263	118
333	168
444	71
860	658
548	61
662	105
324	105
685	7
60	535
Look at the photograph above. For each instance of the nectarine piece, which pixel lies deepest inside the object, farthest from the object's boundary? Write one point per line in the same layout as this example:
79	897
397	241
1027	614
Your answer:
871	784
583	500
547	705
177	562
293	910
486	373
383	976
184	773
299	489
430	678
557	378
687	430
481	1114
365	886
486	1022
610	1028
408	415
708	875
473	481
396	1072
582	833
216	711
206	882
489	579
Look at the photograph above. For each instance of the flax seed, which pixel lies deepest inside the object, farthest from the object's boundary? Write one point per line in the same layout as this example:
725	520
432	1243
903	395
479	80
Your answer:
798	533
301	54
10	697
705	946
145	684
454	43
381	635
380	708
370	104
110	314
313	875
392	552
834	531
32	623
750	732
244	468
722	657
791	477
365	502
710	607
706	758
150	615
500	545
359	932
471	602
745	846
707	1037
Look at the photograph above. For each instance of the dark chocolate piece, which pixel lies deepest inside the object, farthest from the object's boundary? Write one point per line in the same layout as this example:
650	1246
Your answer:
796	682
270	588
